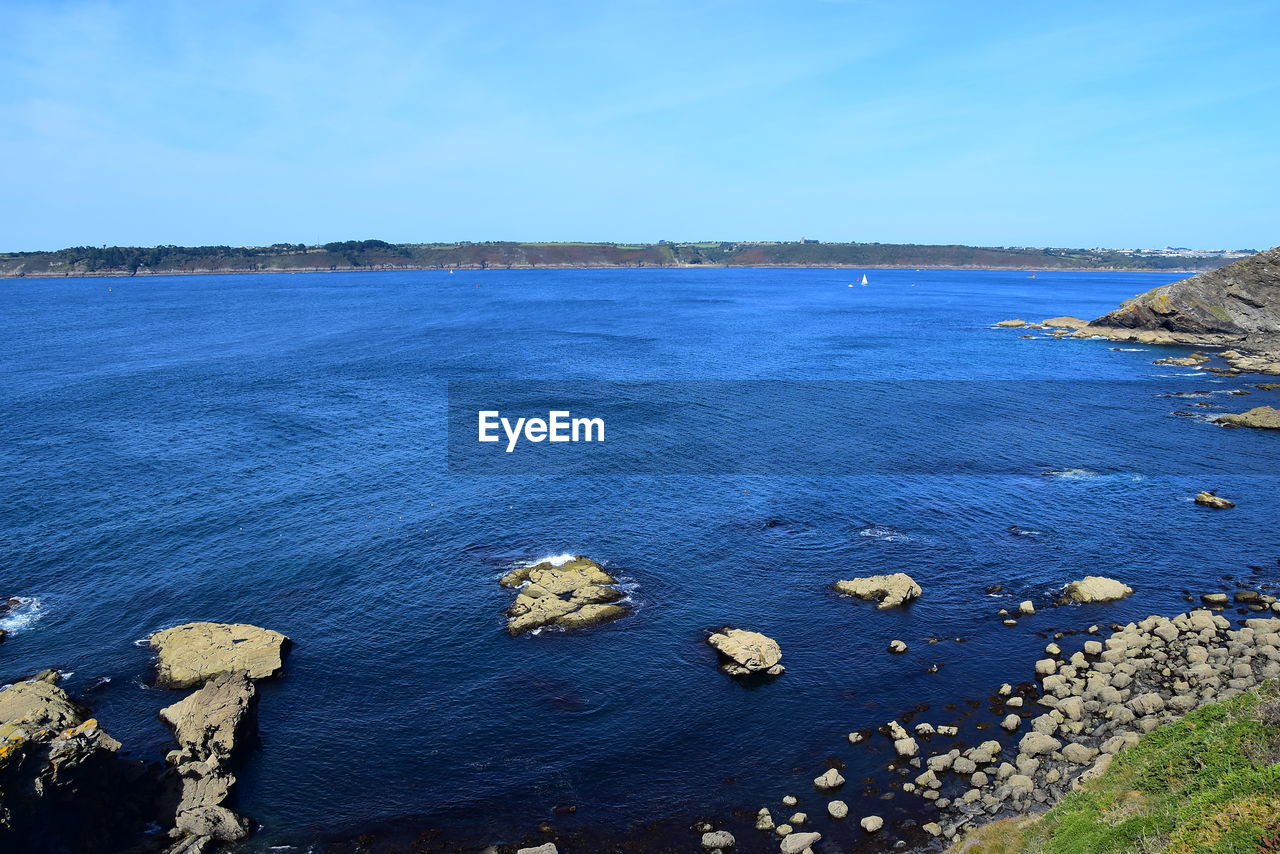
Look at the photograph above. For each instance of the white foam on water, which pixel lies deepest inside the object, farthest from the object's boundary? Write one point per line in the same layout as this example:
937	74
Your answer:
884	534
1074	474
22	616
554	560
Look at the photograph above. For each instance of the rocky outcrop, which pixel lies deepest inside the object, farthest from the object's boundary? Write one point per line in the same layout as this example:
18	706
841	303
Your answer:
745	653
194	652
1235	306
570	595
1095	588
1217	502
889	590
1239	299
1259	418
63	786
224	660
207	724
1011	324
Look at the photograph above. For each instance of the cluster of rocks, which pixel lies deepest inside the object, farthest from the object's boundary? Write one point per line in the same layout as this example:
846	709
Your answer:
1095	703
64	787
890	591
745	653
570	595
224	660
793	840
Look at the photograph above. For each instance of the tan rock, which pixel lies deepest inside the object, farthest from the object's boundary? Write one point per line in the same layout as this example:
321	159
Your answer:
889	590
1208	499
1096	588
1258	418
574	594
747	652
1011	324
192	653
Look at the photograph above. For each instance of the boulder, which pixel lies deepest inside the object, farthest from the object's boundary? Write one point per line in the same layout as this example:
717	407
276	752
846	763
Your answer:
192	653
718	839
795	843
1038	744
1259	418
828	781
1011	324
549	848
837	809
872	823
1096	588
897	647
890	591
745	653
572	594
1208	499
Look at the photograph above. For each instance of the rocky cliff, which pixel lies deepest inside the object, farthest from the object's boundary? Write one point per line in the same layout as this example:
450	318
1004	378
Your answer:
1240	301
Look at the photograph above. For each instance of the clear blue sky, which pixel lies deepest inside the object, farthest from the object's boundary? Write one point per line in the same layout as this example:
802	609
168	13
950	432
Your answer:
1066	124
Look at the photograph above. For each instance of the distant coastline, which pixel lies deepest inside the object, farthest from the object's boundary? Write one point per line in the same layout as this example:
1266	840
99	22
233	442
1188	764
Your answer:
378	256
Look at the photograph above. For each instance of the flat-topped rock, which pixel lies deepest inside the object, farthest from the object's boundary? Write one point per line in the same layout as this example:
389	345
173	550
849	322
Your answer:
573	594
890	591
1096	588
1258	418
1066	322
37	704
746	653
191	654
1208	499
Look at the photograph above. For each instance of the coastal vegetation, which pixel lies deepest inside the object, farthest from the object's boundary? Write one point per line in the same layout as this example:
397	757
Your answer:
380	255
1206	784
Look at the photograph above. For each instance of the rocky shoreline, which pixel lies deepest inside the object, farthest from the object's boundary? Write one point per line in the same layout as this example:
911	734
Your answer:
63	786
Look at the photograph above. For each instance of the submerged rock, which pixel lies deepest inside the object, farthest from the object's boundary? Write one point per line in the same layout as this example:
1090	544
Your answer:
572	595
194	652
1096	588
889	590
1258	418
746	653
1208	499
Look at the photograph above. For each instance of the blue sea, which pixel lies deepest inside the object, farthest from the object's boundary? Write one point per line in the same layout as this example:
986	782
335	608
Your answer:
275	449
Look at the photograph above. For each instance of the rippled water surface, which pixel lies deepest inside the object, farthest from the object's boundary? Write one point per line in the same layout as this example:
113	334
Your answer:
271	449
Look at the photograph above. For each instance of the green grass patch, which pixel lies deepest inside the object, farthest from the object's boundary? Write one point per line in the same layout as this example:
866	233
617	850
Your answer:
1207	784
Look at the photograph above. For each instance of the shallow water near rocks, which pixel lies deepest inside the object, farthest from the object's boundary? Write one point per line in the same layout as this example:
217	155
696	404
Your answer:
271	449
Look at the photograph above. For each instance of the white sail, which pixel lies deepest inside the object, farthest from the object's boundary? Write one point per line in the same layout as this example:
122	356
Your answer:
864	278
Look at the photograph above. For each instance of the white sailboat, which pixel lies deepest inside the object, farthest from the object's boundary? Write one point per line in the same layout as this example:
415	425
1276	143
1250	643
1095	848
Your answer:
864	280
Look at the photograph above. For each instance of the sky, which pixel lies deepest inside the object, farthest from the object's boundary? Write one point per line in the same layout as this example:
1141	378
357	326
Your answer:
1081	124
